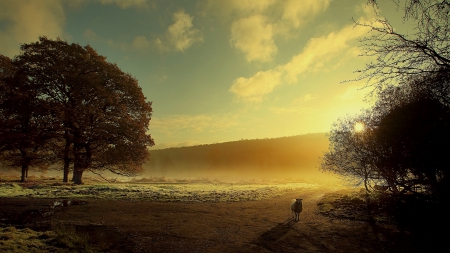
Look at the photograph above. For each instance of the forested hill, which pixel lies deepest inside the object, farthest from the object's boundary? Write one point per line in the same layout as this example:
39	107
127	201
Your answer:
279	158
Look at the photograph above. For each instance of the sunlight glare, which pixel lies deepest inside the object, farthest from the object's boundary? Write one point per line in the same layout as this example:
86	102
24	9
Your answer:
359	127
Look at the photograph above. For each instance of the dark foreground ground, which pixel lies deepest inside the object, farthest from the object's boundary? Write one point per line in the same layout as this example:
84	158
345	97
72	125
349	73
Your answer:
251	226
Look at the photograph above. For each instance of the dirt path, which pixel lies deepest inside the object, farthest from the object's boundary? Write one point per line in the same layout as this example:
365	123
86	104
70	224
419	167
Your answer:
253	226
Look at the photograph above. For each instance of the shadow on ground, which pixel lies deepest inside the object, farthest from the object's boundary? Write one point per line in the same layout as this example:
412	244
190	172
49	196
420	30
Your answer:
274	234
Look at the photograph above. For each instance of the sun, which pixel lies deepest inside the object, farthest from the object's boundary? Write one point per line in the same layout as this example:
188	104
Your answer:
359	127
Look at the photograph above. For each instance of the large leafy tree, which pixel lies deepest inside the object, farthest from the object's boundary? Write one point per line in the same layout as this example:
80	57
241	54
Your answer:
101	115
414	138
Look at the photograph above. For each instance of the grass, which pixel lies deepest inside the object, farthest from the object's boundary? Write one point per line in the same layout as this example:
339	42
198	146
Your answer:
151	190
68	238
65	238
351	204
60	239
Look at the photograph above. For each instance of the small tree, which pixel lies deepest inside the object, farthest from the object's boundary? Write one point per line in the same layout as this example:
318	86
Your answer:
25	125
352	153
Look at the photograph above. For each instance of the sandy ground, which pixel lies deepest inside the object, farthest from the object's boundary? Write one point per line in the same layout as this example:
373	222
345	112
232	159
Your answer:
247	226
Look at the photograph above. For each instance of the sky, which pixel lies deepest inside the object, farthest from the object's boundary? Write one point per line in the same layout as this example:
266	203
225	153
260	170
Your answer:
218	70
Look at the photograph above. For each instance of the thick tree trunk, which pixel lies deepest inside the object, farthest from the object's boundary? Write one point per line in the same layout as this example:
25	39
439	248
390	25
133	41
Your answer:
77	175
81	163
78	168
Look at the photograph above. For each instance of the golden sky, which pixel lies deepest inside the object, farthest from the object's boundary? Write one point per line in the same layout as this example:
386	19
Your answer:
217	70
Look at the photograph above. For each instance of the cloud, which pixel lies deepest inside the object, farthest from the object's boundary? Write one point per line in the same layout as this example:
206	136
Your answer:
26	20
91	35
255	24
305	98
180	35
297	13
124	4
353	93
319	54
298	105
255	87
254	37
226	8
140	42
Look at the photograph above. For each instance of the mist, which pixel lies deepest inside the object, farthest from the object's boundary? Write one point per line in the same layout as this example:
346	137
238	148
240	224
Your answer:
288	158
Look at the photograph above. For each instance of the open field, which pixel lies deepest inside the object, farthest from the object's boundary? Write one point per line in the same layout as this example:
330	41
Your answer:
193	191
193	216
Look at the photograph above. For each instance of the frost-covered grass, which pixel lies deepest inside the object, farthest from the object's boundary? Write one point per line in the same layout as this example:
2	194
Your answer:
206	191
60	239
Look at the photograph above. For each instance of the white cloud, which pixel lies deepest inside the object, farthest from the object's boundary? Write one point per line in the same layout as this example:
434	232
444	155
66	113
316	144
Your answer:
27	20
297	13
180	35
319	54
255	87
254	24
254	37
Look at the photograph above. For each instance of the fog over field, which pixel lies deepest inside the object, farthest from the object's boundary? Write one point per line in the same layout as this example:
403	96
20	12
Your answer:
291	158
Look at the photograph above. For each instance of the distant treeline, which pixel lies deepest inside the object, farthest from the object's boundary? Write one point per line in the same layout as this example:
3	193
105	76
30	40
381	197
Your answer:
284	157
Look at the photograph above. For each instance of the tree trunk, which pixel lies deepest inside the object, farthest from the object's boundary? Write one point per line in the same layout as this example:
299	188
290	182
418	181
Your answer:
24	172
77	174
66	170
78	168
66	158
25	162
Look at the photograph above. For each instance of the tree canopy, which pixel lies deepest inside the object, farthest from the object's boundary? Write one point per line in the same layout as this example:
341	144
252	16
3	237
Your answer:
99	115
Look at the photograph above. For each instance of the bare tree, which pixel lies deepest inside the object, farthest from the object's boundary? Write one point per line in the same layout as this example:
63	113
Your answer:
403	57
